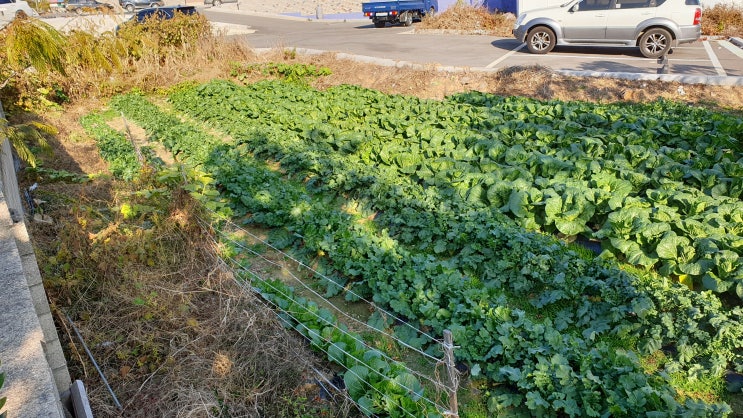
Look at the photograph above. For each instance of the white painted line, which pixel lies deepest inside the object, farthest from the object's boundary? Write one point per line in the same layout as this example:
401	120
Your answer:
732	48
687	60
506	55
591	56
713	58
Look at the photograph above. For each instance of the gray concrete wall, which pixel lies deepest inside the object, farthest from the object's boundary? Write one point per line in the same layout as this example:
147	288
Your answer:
29	383
31	354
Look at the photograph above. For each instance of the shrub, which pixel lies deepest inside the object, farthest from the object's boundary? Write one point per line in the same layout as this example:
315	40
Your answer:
723	19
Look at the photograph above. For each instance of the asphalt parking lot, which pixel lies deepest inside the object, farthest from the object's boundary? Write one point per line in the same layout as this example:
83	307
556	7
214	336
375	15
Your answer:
713	61
711	58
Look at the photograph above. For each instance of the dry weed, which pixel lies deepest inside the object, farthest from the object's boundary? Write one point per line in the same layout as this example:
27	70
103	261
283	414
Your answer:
463	17
723	19
166	321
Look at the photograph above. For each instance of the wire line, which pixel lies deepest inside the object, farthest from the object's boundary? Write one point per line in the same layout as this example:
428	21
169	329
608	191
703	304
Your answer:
342	312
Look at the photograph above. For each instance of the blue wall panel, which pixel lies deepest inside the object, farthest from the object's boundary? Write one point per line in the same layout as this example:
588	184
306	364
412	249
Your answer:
492	5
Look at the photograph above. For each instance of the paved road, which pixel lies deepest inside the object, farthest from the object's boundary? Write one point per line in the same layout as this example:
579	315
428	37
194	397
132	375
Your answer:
714	61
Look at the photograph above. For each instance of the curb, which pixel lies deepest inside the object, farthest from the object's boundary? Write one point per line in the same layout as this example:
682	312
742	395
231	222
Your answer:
385	62
329	18
30	385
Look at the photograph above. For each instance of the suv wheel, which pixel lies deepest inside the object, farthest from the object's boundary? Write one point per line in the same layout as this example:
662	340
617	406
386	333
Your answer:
129	8
655	42
540	40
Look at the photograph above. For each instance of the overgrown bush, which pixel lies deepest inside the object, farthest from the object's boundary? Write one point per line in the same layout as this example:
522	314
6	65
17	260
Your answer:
464	17
80	64
164	36
725	19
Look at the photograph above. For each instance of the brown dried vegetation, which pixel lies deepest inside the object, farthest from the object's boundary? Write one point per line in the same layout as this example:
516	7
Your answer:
462	17
173	331
723	19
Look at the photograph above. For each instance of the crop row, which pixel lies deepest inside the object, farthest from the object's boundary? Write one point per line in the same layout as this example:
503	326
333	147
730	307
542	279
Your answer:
113	147
657	185
377	385
585	319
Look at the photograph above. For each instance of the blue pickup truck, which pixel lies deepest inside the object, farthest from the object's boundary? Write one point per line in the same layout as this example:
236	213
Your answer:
401	11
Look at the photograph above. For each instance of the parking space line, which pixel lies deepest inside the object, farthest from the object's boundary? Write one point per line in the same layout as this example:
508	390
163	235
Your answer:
506	55
713	58
732	48
613	58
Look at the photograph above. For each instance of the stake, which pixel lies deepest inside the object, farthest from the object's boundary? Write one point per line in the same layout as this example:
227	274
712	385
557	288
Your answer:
92	359
451	368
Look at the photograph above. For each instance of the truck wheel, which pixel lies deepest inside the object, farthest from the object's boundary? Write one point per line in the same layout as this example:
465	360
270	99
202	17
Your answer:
655	42
406	19
379	24
129	8
540	40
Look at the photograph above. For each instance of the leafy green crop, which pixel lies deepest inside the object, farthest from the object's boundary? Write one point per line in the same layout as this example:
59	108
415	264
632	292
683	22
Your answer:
555	333
574	169
113	146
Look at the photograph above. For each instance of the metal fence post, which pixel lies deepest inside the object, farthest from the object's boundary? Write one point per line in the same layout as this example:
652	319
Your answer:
451	368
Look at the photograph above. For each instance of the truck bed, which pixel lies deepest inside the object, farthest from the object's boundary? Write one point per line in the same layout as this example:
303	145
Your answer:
386	6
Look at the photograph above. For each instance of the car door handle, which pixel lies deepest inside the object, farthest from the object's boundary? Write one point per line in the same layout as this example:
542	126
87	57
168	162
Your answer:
601	15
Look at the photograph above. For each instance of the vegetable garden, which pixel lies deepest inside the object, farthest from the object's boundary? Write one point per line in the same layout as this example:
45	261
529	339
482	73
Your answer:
470	213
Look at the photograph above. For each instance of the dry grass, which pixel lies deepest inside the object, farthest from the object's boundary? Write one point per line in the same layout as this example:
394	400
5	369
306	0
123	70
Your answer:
465	18
725	19
165	320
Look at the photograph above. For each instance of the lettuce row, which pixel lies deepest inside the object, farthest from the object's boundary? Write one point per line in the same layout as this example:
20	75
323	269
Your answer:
639	178
113	147
269	200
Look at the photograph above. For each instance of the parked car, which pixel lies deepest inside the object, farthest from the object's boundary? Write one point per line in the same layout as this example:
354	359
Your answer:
168	12
655	26
79	6
163	12
131	5
9	9
217	2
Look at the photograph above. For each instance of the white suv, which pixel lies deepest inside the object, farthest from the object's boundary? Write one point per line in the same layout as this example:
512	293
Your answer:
653	25
9	9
